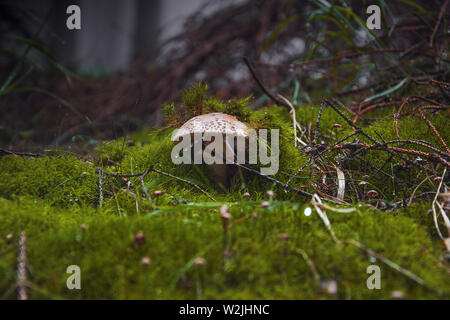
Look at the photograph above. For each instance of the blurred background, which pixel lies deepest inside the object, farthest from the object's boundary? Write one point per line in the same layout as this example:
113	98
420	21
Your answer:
59	86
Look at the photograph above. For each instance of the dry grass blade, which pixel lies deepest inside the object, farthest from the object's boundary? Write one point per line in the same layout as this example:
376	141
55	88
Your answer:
294	120
317	203
309	262
434	204
391	264
144	188
341	184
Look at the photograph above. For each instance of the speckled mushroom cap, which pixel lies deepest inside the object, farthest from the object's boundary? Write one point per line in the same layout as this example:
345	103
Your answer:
212	123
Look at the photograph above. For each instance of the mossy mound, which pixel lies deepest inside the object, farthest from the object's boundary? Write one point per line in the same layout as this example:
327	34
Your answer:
260	263
62	180
275	253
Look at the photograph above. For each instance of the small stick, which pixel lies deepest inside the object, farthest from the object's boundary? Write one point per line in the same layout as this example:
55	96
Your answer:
319	117
397	116
144	188
434	209
317	203
22	268
100	187
294	120
343	116
16	153
115	174
299	170
371	107
391	264
441	13
309	262
303	193
383	146
255	77
186	181
429	124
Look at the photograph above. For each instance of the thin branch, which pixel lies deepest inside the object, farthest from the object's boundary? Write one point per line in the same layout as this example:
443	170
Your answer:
267	92
4	152
144	188
436	27
434	203
22	268
152	169
100	186
391	264
185	181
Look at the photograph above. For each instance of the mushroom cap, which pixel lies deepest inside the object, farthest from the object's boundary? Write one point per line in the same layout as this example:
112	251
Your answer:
214	123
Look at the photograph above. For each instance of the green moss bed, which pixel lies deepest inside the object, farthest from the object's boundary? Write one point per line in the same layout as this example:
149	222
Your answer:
265	253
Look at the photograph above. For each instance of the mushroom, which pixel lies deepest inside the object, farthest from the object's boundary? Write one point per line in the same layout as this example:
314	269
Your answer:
199	261
139	239
265	204
269	194
200	131
372	194
158	193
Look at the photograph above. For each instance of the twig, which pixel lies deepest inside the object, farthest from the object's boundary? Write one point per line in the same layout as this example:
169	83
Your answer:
267	92
286	186
429	124
360	147
186	181
343	116
434	203
299	170
294	120
415	190
144	188
319	117
22	268
100	186
373	106
152	169
341	184
391	264
309	262
441	13
397	116
317	203
17	153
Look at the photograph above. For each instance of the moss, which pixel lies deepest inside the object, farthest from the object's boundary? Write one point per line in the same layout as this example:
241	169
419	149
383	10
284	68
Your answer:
195	101
61	180
262	265
50	198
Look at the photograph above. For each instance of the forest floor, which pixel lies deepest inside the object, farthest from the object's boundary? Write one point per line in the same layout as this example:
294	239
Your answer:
315	239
